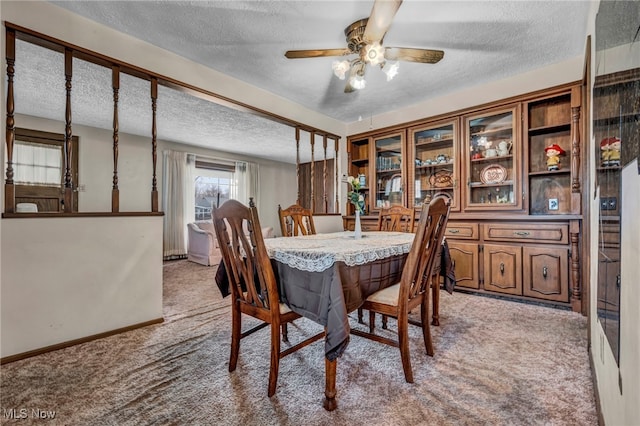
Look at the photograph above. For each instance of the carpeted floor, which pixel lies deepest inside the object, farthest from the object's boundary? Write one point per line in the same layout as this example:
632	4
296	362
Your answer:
497	363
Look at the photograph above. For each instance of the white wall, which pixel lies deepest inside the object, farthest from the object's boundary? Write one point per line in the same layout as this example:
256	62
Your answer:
68	278
619	407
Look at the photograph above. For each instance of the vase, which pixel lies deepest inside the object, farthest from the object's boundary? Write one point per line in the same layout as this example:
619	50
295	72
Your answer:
357	228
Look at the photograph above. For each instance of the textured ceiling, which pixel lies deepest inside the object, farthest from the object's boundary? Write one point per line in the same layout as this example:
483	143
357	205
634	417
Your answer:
483	41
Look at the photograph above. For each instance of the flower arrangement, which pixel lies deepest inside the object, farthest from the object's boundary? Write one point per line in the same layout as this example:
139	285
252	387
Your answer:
354	196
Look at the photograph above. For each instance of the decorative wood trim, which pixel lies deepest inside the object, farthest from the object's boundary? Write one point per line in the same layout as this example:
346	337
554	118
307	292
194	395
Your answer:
335	170
154	144
312	137
575	298
40	215
9	188
115	192
57	346
324	175
298	164
68	134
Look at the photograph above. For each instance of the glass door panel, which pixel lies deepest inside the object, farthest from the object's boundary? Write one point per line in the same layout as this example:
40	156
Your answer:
492	167
434	150
388	176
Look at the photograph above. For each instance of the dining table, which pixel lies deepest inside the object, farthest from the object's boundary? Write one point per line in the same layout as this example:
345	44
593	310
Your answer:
325	276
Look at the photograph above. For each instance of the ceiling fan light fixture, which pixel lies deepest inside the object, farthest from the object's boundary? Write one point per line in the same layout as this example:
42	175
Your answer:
374	53
358	82
340	68
390	69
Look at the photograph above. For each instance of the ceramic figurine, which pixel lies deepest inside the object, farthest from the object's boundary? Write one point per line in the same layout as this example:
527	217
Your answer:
604	152
553	156
614	151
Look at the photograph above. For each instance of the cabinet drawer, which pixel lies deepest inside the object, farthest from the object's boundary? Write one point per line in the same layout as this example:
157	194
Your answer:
533	232
462	231
546	274
503	269
465	258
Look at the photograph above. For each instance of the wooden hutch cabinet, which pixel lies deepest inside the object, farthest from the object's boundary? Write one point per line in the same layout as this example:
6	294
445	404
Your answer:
513	172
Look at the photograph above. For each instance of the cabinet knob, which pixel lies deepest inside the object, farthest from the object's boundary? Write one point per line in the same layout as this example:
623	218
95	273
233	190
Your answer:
544	272
502	268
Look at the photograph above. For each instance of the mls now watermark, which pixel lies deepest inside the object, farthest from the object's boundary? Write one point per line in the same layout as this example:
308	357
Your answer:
26	413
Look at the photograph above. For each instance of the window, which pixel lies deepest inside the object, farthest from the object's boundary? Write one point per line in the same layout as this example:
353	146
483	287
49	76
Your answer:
213	186
39	170
37	164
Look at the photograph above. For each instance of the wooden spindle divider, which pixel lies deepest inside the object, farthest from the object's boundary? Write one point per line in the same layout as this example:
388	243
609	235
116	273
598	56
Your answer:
9	188
313	174
68	134
68	195
335	169
298	163
115	191
324	175
154	144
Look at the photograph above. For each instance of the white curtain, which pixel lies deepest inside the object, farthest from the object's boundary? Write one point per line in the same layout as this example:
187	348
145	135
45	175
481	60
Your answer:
178	201
37	164
247	183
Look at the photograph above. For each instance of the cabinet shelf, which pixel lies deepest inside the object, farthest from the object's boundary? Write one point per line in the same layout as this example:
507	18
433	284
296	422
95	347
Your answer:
435	166
496	158
490	185
360	161
550	172
549	129
434	143
388	171
392	149
433	188
485	132
606	169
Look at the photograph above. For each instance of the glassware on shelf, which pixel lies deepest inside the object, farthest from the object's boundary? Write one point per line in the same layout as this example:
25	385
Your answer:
434	149
492	166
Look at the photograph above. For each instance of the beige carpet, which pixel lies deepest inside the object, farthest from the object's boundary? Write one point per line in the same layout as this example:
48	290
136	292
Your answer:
497	363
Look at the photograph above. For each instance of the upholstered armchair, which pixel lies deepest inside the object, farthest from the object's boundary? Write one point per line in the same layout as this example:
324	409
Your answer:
203	246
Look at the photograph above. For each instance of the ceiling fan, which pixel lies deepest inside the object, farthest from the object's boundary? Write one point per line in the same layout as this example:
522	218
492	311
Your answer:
364	38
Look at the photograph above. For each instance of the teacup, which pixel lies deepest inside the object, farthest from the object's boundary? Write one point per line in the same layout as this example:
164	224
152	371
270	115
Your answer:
491	152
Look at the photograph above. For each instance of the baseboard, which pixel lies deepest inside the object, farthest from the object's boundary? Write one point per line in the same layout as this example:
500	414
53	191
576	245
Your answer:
595	388
57	346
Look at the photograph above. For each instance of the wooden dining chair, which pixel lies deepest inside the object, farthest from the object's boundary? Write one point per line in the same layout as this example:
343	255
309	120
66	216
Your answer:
413	289
296	220
253	283
396	218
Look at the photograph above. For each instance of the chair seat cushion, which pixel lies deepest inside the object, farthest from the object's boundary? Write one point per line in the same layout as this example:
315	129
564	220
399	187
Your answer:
284	309
386	296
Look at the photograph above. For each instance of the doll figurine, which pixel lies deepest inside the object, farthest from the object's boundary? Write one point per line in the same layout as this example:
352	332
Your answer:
604	152
614	151
553	156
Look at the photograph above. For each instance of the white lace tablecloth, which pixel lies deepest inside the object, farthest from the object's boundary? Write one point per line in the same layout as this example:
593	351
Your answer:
316	253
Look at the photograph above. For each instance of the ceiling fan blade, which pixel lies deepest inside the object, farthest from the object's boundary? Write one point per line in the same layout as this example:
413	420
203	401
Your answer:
297	54
426	56
380	19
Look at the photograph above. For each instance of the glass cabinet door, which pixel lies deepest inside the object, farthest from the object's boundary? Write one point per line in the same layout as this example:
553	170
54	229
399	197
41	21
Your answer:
434	151
492	167
388	170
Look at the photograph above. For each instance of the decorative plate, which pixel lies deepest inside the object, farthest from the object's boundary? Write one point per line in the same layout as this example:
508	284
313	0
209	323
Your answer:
493	173
441	179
